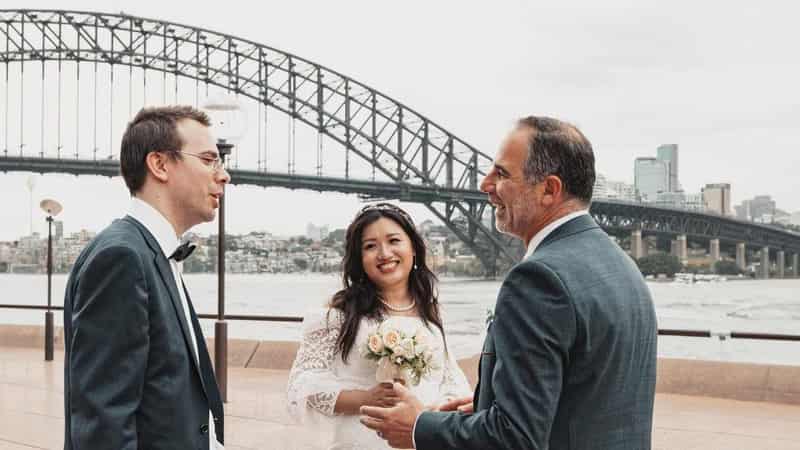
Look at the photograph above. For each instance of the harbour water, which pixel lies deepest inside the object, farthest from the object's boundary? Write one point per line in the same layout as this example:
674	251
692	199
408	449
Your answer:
768	306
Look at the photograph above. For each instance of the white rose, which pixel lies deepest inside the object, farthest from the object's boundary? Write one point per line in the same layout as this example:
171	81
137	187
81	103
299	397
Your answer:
375	343
407	346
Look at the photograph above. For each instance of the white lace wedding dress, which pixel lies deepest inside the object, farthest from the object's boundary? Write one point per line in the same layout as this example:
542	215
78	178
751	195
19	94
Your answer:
318	375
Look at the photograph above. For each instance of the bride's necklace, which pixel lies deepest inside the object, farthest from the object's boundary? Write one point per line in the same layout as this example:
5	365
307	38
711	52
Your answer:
402	308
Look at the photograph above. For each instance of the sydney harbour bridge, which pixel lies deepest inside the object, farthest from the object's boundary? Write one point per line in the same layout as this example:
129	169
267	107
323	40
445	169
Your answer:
70	80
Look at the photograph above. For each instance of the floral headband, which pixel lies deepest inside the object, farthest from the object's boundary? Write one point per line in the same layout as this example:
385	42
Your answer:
385	207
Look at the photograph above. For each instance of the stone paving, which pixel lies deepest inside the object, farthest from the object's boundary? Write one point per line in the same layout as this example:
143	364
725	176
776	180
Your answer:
32	417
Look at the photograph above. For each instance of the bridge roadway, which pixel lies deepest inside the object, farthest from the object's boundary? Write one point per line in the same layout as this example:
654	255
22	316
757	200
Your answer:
614	216
378	189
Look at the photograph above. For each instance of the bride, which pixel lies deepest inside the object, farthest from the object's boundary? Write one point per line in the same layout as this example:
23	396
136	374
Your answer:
385	276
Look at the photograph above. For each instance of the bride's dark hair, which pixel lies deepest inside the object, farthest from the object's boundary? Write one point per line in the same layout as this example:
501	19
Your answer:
360	297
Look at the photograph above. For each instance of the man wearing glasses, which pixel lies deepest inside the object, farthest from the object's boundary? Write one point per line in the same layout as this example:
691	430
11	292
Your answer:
137	374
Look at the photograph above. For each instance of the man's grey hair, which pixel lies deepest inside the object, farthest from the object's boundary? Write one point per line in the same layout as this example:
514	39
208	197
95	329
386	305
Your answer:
559	148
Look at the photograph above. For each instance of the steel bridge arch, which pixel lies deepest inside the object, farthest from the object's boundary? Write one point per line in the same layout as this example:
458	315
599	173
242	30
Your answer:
426	161
361	119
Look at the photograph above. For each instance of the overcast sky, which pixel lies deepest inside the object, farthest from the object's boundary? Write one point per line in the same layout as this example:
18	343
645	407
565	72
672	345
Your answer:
718	78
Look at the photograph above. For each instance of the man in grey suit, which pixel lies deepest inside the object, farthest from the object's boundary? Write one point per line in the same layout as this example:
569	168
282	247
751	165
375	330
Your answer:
569	360
137	374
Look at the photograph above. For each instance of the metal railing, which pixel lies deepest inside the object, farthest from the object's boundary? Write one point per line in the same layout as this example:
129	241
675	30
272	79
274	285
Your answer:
221	316
721	335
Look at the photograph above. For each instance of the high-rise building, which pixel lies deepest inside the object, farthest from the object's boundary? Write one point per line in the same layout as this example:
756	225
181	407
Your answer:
613	190
651	176
624	191
694	202
671	200
762	205
669	154
743	210
316	233
759	209
600	189
680	200
717	198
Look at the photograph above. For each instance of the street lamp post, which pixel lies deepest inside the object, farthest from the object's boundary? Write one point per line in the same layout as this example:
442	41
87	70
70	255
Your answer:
221	326
228	123
52	208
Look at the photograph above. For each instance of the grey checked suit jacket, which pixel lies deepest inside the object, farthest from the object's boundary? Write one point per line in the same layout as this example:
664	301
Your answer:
569	361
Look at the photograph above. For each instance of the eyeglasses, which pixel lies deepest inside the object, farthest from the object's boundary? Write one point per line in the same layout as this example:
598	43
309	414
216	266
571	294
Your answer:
385	207
211	161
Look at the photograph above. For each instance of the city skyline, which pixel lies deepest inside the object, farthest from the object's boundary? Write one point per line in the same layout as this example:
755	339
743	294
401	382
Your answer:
726	100
714	199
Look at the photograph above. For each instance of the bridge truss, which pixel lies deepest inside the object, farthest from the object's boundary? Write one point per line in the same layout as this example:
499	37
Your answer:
669	222
378	138
94	65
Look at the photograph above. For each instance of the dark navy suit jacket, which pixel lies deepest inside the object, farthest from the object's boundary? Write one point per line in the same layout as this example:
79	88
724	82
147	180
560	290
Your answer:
569	361
131	380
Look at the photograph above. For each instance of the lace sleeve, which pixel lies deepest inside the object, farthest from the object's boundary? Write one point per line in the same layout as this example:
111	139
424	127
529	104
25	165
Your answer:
313	386
454	382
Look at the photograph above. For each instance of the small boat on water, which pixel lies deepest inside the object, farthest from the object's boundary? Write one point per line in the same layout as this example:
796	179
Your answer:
690	278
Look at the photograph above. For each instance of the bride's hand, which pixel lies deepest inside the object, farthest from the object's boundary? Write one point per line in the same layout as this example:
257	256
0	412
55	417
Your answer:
382	394
463	404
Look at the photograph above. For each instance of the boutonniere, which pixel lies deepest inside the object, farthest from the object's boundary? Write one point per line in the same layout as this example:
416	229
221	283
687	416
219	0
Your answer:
489	317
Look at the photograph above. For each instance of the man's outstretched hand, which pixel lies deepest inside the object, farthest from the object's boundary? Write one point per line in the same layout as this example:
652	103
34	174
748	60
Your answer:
396	423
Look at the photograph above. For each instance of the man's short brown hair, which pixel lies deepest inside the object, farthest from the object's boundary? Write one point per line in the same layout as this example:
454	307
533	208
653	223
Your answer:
154	129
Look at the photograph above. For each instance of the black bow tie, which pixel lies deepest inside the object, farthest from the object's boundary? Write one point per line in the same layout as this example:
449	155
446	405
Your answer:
183	251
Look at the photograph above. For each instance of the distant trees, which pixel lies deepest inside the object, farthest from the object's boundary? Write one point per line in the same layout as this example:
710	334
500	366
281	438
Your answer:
726	267
659	264
334	237
669	265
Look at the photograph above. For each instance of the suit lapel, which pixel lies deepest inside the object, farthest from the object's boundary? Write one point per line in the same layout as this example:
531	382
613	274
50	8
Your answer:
209	380
165	272
477	394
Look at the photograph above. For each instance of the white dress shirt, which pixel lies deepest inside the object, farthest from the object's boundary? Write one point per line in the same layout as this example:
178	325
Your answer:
544	232
164	233
532	245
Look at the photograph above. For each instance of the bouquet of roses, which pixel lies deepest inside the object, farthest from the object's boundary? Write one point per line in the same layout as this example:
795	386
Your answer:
400	355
